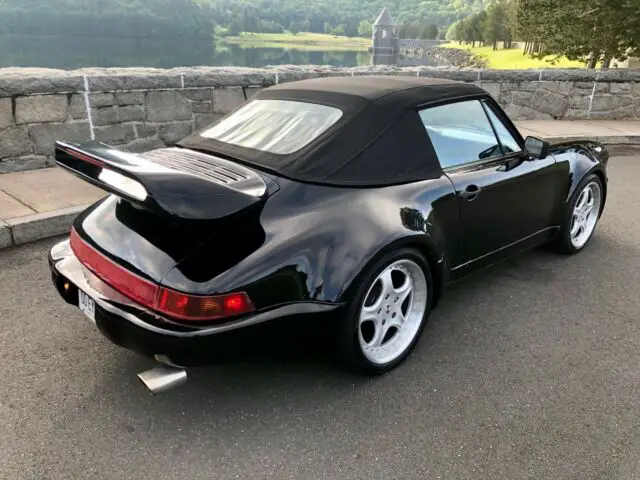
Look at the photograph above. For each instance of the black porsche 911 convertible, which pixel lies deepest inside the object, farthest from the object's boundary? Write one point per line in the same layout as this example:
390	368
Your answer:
358	197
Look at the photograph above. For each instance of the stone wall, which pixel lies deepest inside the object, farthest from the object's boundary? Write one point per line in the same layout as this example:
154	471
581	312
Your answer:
141	109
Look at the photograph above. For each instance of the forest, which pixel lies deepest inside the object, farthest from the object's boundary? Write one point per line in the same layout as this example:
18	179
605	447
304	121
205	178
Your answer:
588	30
199	18
594	31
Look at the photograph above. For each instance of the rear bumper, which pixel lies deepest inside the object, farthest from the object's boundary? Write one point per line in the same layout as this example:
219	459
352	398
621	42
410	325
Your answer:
128	325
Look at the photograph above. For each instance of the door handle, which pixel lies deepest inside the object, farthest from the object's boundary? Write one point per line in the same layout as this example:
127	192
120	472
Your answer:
471	192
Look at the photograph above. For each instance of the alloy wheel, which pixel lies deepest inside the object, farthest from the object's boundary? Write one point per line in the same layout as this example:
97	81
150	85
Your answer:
585	214
392	311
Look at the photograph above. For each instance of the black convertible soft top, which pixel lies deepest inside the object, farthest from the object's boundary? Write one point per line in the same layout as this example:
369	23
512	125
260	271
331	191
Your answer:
379	140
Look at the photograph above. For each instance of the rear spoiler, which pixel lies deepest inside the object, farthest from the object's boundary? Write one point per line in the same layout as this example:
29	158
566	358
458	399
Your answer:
167	181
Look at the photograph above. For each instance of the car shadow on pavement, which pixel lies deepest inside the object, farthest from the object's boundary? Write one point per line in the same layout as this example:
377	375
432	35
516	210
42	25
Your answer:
296	367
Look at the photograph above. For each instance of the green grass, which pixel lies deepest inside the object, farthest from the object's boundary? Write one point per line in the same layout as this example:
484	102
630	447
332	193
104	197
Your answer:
303	40
514	59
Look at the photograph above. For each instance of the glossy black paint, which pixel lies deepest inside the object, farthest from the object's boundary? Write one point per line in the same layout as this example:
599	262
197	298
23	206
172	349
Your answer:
171	191
311	243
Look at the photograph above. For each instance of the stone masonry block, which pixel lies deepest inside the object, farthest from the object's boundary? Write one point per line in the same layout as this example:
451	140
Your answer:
39	83
130	113
609	103
554	104
174	132
202	107
77	107
146	130
129	98
6	114
167	106
563	88
528	86
104	116
197	94
227	99
621	88
43	136
41	108
115	134
522	98
97	100
580	102
135	80
14	142
22	164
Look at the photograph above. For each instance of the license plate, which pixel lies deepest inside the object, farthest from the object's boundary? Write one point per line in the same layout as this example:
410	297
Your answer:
87	305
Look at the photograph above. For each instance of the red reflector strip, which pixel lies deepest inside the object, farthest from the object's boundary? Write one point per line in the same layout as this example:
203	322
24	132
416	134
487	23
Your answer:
84	158
127	283
174	304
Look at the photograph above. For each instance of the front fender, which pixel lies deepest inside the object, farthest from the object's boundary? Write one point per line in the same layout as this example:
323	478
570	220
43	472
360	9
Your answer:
581	158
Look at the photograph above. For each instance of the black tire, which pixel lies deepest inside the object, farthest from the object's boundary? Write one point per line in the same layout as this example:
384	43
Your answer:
348	341
562	242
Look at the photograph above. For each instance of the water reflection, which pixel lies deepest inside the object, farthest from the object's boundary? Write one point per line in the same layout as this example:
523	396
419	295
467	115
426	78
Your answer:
78	52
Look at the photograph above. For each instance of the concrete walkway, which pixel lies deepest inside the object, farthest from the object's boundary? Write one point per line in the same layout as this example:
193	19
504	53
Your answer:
42	203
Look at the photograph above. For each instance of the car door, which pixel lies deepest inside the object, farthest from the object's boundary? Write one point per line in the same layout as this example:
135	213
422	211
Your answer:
504	195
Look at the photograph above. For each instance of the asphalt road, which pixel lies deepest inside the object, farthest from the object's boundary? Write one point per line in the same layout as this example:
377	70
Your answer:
529	370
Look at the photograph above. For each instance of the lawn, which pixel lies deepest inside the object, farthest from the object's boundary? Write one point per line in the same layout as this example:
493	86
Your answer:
514	58
303	40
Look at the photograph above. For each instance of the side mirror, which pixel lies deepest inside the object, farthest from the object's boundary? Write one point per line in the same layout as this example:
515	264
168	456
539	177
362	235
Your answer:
536	148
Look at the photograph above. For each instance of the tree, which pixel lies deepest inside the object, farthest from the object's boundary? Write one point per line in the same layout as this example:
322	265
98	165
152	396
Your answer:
455	31
327	27
339	30
429	31
588	30
294	28
365	29
495	26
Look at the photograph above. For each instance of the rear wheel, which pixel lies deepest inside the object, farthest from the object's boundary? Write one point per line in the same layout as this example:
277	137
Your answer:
387	314
581	217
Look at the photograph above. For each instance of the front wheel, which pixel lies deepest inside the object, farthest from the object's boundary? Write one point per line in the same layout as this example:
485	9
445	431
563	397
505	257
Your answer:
387	314
582	216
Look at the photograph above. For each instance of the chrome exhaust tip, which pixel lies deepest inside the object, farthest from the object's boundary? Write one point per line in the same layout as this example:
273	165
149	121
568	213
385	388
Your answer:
163	378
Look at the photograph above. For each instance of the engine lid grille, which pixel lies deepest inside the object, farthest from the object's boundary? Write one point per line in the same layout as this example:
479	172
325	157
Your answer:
208	167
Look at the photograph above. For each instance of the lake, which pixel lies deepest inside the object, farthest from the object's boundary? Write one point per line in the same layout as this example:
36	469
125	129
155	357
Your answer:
78	52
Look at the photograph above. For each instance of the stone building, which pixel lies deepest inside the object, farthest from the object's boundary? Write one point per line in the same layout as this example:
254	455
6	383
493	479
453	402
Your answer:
385	40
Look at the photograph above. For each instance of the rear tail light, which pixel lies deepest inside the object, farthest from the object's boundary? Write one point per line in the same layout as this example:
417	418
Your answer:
191	307
163	300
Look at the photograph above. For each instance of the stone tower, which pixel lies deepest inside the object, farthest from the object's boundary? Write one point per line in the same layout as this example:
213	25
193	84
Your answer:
385	40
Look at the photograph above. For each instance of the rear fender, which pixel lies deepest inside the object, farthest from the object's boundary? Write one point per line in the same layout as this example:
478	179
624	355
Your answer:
423	243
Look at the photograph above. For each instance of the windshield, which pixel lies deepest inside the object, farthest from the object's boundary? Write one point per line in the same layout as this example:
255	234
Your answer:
275	126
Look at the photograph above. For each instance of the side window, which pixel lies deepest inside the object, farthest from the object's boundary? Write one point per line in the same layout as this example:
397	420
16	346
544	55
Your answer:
509	144
460	133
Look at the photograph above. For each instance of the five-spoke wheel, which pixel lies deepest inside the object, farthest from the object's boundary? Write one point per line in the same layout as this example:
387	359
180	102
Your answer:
386	315
392	311
585	214
581	217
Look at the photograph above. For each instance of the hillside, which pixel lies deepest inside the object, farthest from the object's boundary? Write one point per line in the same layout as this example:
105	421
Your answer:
144	18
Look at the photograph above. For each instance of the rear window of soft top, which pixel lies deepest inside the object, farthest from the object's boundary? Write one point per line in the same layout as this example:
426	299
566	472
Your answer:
275	126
